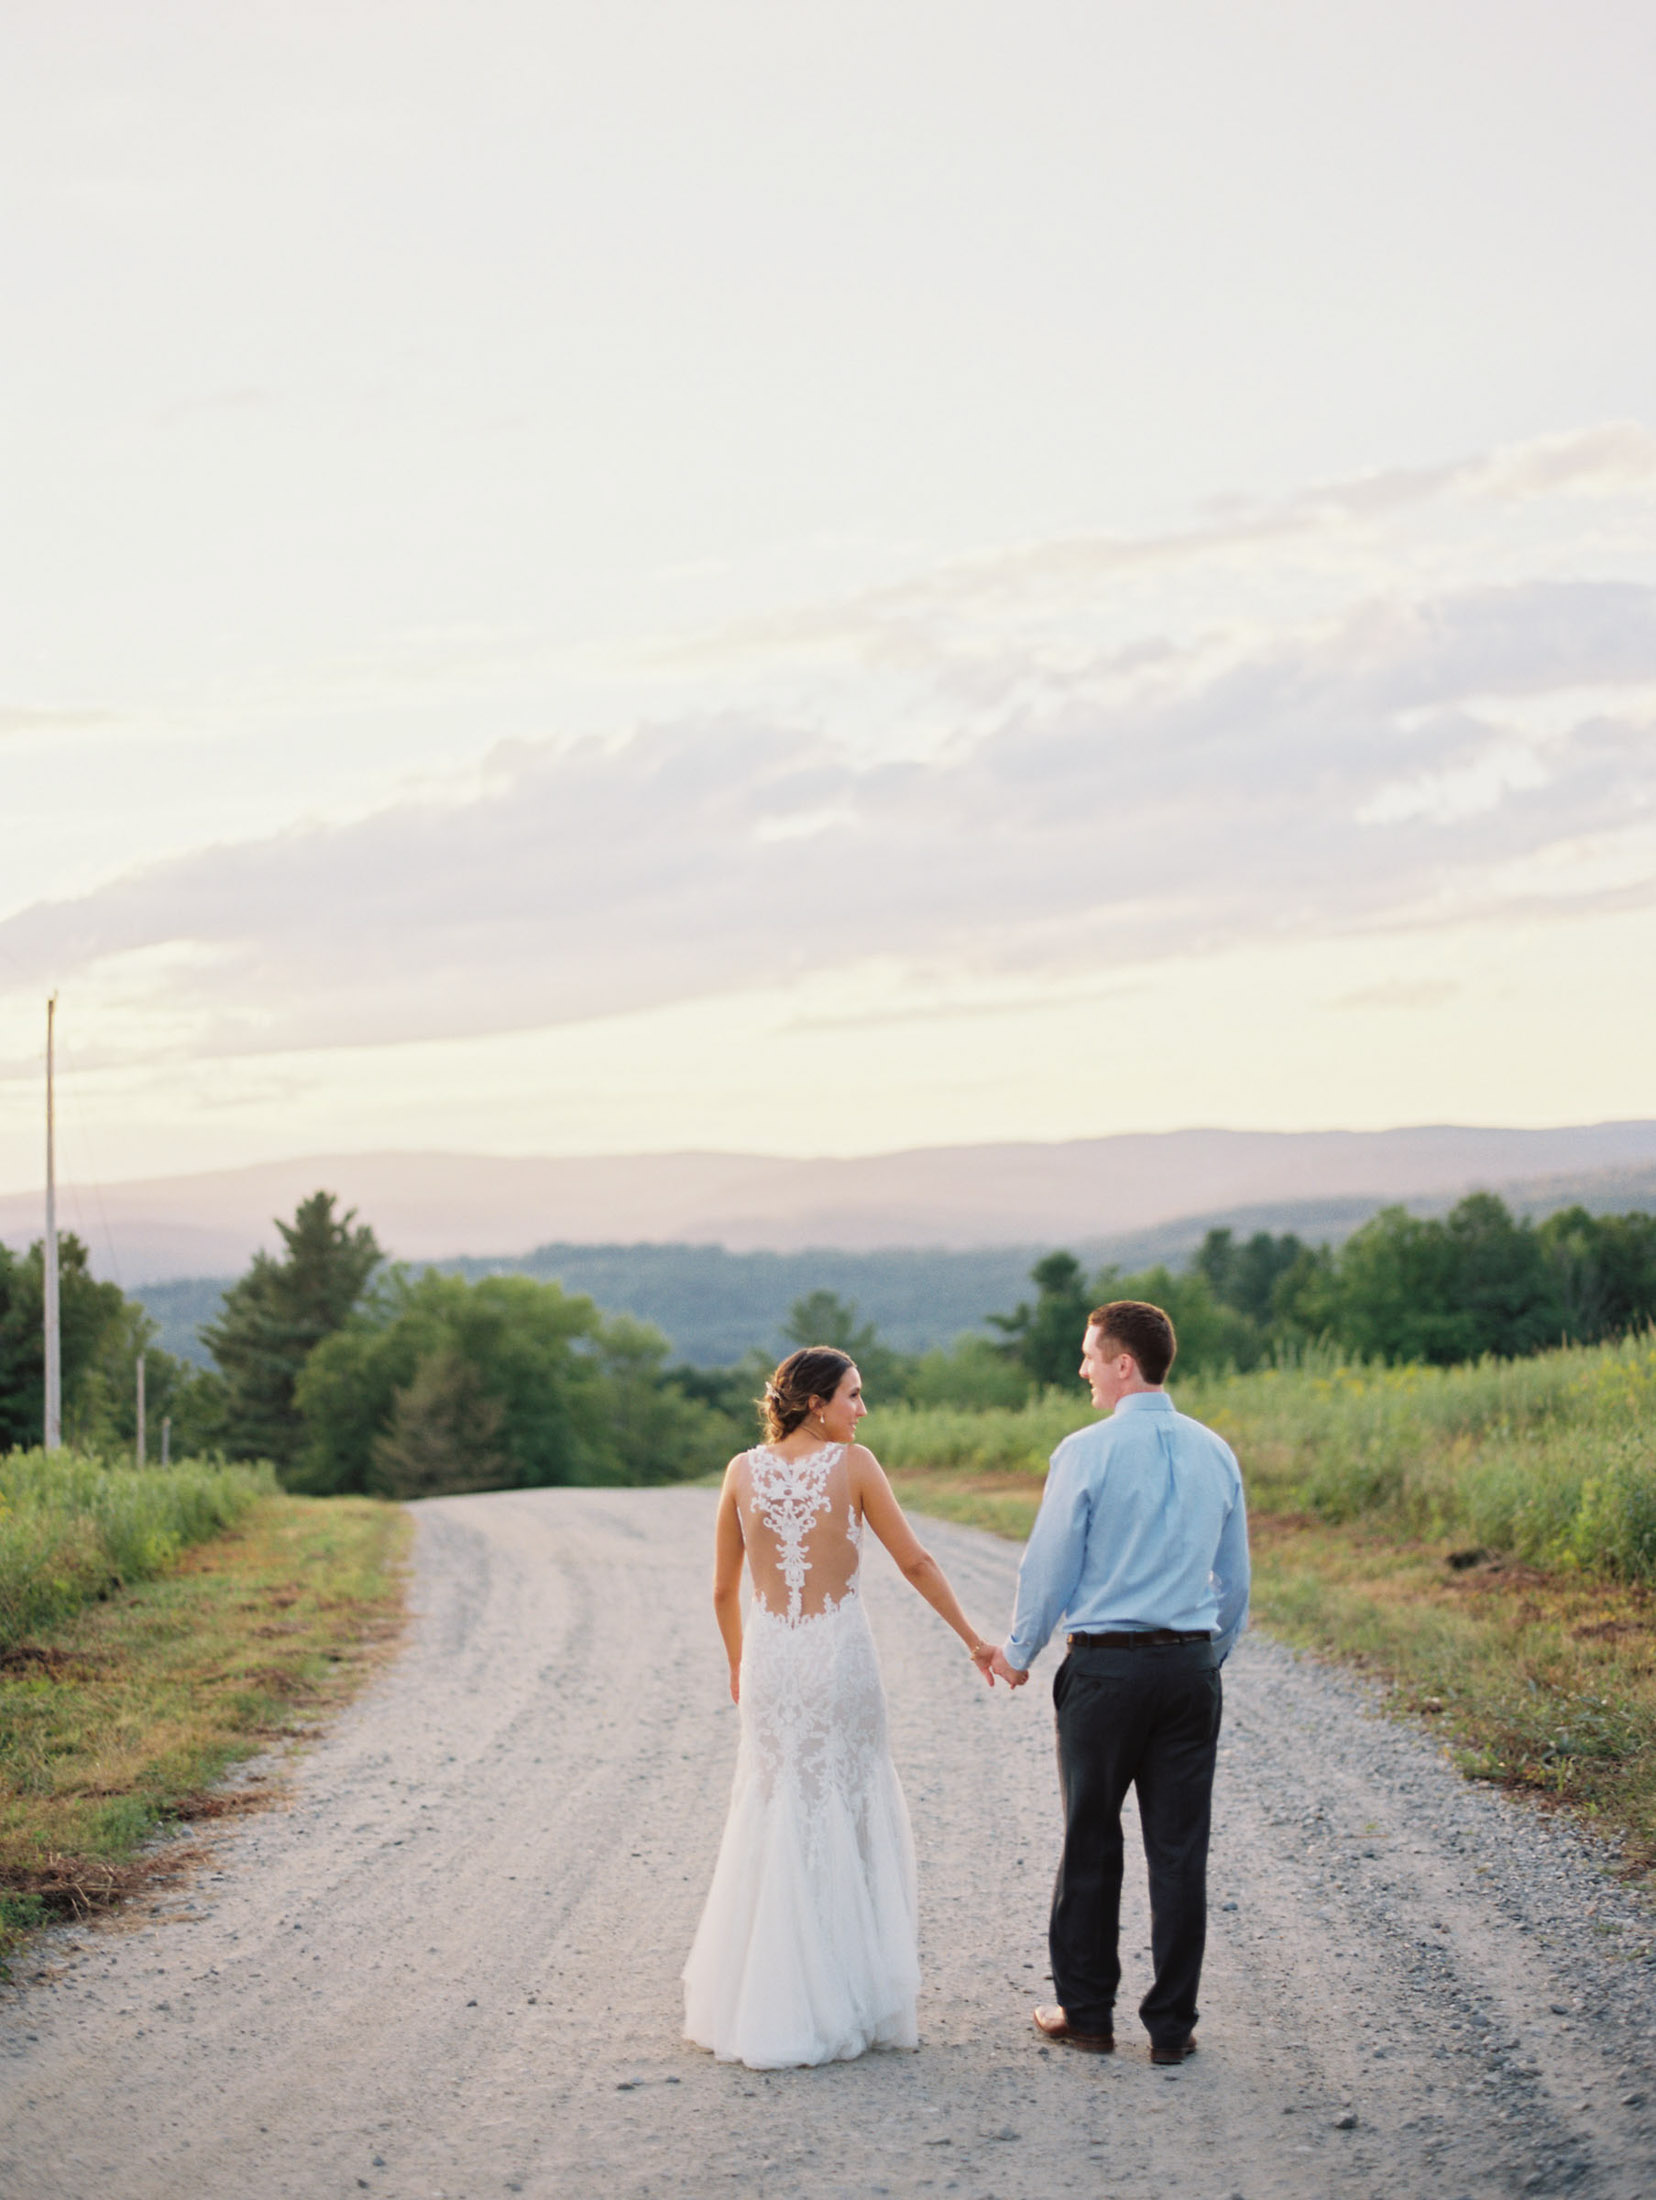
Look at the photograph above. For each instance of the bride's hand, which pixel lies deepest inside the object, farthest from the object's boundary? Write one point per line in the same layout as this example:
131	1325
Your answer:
982	1655
735	1684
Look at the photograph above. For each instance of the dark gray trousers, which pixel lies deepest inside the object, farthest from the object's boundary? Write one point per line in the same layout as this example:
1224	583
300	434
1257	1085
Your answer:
1146	1719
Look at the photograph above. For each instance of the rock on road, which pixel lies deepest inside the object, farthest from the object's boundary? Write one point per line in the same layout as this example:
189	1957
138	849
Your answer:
450	1964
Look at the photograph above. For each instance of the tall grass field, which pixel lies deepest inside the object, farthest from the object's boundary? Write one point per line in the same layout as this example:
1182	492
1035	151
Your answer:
157	1626
72	1529
1550	1460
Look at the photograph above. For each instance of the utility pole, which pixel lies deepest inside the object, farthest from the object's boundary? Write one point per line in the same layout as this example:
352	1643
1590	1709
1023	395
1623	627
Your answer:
49	1257
141	1447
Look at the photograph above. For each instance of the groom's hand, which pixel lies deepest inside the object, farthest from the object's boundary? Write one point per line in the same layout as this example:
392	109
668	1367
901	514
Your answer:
1009	1673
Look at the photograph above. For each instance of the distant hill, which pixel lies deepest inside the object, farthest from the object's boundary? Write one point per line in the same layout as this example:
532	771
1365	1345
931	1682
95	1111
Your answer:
1329	1221
958	1198
180	1308
714	1304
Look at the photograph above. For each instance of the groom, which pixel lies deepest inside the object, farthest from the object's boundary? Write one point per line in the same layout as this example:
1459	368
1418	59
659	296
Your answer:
1141	1548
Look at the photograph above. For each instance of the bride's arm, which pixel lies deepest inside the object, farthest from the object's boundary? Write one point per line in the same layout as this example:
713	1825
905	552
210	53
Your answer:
727	1577
878	1502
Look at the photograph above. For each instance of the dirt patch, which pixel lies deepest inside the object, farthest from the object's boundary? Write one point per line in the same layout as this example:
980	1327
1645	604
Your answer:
1504	1575
270	1680
236	1802
87	1886
39	1661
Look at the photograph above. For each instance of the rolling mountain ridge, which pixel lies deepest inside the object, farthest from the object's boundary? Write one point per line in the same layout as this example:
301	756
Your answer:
1106	1192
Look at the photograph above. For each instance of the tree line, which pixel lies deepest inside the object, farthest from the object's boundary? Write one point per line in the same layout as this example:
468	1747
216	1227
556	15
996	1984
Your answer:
1476	1282
350	1373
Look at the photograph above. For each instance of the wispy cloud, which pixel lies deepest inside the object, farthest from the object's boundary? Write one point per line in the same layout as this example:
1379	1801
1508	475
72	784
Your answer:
25	719
1381	514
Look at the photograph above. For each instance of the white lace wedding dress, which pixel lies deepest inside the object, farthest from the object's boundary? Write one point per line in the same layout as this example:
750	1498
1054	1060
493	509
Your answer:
806	1949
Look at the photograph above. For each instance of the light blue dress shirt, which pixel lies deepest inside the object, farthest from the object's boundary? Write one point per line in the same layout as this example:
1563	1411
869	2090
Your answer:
1142	1525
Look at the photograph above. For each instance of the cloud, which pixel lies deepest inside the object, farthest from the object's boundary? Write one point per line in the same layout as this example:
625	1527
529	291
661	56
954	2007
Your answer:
1036	580
985	778
1611	460
27	719
1329	781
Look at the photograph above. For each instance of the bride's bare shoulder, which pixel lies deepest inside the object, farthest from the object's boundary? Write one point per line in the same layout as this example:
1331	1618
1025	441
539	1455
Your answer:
862	1461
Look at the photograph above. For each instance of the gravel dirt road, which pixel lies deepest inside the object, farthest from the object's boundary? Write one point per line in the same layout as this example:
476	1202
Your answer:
450	1965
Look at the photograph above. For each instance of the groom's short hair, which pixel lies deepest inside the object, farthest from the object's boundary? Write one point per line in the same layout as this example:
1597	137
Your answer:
1135	1326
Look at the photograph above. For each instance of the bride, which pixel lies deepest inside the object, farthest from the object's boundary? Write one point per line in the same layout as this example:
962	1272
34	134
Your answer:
806	1948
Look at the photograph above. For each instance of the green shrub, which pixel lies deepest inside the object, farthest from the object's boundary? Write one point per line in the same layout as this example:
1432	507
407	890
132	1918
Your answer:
72	1528
972	1373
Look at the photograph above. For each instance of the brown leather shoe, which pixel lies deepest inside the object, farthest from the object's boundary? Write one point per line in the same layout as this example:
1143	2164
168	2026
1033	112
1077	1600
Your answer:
1052	2024
1174	2054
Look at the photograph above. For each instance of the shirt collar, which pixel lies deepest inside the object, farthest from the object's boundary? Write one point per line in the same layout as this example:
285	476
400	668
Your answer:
1144	1401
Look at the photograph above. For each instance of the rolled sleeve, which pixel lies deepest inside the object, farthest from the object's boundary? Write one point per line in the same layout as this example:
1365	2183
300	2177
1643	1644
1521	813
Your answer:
1050	1569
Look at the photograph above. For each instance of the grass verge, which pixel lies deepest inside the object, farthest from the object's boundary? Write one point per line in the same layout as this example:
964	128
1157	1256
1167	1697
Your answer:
1539	1681
117	1721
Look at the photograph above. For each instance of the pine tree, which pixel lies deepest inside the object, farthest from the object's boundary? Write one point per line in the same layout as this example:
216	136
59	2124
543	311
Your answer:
441	1437
823	1317
276	1314
1045	1339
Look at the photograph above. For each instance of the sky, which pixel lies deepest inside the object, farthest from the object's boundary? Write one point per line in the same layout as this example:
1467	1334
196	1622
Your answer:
822	579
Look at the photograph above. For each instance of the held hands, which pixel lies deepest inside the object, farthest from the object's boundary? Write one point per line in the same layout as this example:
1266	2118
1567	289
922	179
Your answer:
992	1664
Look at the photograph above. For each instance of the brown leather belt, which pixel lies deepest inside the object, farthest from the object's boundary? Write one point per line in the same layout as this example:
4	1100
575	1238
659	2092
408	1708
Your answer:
1138	1639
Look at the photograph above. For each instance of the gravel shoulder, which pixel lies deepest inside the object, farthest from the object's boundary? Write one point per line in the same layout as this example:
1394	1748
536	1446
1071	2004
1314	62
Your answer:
450	1965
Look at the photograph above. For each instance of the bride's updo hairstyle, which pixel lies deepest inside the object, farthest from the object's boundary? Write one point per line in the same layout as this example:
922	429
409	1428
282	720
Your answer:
815	1371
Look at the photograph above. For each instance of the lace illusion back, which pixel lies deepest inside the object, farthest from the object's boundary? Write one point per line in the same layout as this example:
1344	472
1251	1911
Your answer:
806	1948
802	1531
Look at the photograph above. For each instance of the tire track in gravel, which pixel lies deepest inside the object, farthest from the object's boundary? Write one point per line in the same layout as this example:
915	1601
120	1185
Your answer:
450	1967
